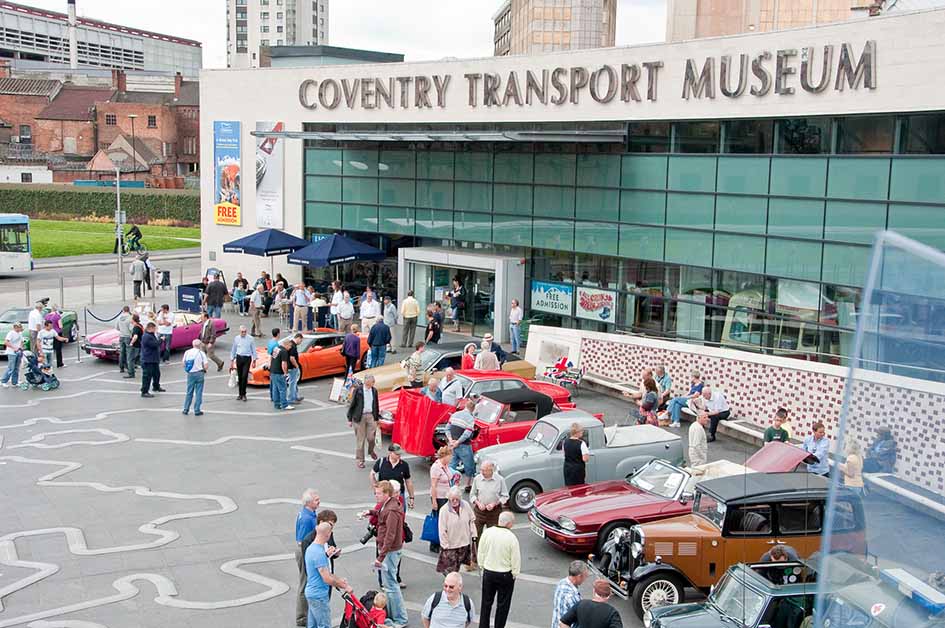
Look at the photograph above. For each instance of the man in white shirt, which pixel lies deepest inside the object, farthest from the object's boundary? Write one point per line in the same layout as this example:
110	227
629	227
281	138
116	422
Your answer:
336	297
35	325
46	345
452	388
370	312
14	350
257	303
165	331
195	365
717	407
345	312
515	325
300	299
698	445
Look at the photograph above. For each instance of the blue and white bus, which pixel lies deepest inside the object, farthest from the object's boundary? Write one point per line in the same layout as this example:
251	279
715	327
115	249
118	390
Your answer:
15	252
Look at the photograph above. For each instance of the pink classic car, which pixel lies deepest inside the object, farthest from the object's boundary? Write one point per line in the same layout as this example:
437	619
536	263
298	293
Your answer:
104	344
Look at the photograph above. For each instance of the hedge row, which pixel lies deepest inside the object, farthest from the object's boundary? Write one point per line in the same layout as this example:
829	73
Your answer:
139	205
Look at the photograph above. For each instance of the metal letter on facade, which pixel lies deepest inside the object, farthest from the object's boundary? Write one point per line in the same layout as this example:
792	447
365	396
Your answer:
404	82
558	84
629	75
807	55
473	81
512	91
303	93
758	69
384	92
782	71
579	79
440	83
533	86
725	64
367	93
705	83
611	84
490	88
323	91
351	91
652	78
864	72
422	93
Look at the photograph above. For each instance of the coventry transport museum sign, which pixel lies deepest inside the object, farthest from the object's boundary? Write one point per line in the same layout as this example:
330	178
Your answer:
782	72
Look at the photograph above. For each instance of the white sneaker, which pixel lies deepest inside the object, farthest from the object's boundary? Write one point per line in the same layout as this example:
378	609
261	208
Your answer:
6	384
289	408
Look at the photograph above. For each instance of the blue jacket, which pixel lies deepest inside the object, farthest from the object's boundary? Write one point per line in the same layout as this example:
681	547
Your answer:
150	349
379	335
499	352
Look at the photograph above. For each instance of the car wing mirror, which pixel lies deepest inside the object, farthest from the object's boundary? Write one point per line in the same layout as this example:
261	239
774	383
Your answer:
685	498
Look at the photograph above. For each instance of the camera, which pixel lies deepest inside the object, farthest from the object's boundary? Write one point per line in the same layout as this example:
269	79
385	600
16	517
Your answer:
370	534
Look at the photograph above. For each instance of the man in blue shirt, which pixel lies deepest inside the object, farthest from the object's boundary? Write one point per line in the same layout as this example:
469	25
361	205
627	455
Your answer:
305	522
676	404
274	341
243	356
818	445
320	578
432	390
665	383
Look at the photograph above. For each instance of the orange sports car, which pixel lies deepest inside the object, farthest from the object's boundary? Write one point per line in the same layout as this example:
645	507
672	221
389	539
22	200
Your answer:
319	356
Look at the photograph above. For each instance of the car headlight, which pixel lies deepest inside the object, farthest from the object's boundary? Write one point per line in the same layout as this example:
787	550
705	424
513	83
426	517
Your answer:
567	524
636	549
647	619
386	415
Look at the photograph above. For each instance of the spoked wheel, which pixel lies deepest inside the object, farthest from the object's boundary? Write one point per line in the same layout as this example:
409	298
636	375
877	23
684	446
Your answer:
657	590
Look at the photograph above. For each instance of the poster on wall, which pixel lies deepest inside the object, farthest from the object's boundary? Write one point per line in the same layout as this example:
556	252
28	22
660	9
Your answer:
270	154
596	305
554	298
227	192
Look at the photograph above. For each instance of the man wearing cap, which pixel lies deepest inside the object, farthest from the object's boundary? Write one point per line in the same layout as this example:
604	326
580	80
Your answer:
496	348
393	467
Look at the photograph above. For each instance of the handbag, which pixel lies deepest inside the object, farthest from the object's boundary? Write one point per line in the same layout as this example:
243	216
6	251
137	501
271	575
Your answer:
408	533
431	529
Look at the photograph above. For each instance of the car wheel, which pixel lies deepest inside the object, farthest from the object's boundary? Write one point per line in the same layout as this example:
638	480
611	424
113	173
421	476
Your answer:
364	360
660	589
523	496
74	332
609	530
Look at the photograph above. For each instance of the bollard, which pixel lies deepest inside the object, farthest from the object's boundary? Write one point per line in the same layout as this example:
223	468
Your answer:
180	281
123	297
92	289
27	282
62	293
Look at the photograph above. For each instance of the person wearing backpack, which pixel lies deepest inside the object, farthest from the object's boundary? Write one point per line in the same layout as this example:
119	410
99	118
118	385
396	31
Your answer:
453	610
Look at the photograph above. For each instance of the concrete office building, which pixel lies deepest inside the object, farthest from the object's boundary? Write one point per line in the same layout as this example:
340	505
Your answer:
253	25
724	191
525	27
80	42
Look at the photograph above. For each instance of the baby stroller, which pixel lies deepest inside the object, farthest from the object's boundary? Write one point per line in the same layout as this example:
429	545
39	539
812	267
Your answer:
36	376
356	613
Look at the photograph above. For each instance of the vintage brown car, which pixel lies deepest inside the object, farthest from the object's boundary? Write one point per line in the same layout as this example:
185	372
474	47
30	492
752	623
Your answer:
735	519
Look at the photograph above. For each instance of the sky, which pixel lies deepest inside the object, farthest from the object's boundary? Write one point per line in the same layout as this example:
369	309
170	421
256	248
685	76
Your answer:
420	29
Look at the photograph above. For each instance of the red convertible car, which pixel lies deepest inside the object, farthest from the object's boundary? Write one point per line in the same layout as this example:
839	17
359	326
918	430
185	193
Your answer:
475	384
580	519
104	344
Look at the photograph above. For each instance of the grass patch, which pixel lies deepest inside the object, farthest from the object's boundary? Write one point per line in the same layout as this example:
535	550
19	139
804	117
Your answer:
62	238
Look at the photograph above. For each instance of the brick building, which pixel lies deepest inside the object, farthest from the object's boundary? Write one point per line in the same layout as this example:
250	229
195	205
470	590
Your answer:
21	100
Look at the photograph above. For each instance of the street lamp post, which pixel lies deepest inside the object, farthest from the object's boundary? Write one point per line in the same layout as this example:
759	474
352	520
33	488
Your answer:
117	159
134	149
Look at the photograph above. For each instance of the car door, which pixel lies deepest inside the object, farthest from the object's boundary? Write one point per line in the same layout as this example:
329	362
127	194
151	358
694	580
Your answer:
597	460
799	524
323	357
748	533
185	331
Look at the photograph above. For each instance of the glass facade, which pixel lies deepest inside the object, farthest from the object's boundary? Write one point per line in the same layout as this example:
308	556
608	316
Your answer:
756	246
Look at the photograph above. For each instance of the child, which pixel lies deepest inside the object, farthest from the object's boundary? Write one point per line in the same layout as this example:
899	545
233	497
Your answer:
378	613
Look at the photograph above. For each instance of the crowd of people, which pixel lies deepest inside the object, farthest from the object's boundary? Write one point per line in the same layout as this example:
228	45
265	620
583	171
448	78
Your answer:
42	344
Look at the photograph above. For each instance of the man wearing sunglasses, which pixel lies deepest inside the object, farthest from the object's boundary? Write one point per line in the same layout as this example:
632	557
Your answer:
449	608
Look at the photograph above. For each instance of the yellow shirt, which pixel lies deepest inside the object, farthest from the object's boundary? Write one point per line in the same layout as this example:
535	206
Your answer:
410	308
499	551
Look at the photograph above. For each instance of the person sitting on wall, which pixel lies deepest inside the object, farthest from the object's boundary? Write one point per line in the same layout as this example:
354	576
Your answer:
881	455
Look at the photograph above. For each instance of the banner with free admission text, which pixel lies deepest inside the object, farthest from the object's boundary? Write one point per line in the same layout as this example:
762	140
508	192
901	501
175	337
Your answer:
554	298
227	190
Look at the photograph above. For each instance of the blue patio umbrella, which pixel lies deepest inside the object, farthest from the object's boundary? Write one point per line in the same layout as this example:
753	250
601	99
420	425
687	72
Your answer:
266	243
333	250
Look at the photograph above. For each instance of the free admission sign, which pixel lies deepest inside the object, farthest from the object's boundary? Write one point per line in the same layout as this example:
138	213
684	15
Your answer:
554	298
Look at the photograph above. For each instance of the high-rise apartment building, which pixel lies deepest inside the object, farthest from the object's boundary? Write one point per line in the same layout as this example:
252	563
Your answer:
535	26
255	24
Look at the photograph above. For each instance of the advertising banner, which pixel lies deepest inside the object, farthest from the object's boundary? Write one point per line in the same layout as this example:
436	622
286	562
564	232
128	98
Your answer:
227	192
270	155
596	305
554	298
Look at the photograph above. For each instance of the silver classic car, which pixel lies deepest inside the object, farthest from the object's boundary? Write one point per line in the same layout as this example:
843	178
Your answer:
536	463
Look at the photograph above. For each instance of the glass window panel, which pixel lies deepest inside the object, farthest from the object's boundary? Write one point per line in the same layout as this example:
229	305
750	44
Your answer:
918	180
323	188
749	136
738	252
474	166
434	164
512	230
921	222
647	172
359	217
475	197
599	238
358	162
923	134
743	175
553	234
397	191
555	168
697	137
596	269
854	222
512	199
472	226
323	161
804	136
323	215
793	258
858	178
741	213
689	247
595	203
845	264
690	210
553	265
641	242
396	220
437	194
358	190
797	218
514	167
434	224
555	202
798	176
692	174
599	170
866	134
650	137
647	207
397	163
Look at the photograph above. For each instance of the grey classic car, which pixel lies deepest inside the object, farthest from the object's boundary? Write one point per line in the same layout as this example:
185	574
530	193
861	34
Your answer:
536	463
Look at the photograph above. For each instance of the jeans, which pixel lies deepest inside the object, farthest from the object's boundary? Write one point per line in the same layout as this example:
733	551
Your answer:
194	391
378	356
515	333
150	376
124	346
292	383
165	346
278	383
319	612
48	357
215	311
239	298
395	601
12	374
134	353
675	406
464	453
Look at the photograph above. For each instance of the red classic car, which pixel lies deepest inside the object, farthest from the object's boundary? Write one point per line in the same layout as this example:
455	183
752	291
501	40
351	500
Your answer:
580	519
474	384
104	344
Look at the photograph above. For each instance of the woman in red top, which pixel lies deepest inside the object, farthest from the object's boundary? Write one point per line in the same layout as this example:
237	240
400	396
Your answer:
469	357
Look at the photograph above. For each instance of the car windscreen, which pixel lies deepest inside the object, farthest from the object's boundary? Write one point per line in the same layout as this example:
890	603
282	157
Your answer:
841	613
12	316
488	411
428	358
545	434
734	599
709	507
659	478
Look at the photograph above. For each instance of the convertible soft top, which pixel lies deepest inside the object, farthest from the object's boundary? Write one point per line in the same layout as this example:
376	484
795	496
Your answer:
543	402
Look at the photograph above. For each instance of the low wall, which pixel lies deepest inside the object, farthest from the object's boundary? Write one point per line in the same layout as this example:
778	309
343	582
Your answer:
756	385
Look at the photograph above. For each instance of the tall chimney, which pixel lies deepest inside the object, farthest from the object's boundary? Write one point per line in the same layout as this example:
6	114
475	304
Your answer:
73	43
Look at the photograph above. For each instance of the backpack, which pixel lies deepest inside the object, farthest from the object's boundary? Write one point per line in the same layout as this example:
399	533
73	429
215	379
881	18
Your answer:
466	602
